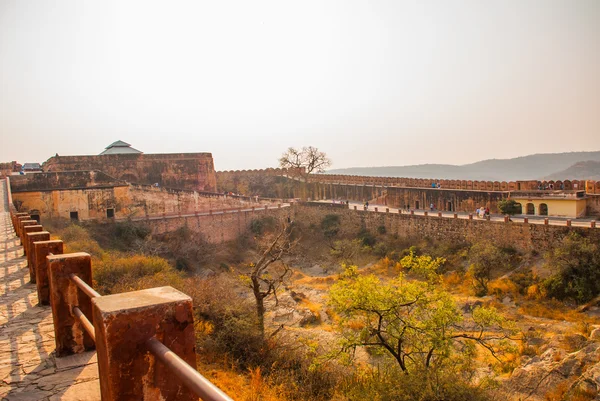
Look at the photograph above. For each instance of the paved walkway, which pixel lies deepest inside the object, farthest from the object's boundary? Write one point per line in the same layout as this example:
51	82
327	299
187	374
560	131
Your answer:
28	367
553	221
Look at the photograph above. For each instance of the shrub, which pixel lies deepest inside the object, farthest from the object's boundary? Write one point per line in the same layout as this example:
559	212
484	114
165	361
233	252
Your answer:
389	384
366	238
330	225
577	265
485	258
116	273
380	249
78	239
262	225
130	231
509	206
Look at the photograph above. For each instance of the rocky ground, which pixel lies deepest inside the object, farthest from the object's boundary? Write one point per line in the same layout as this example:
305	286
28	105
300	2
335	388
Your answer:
559	359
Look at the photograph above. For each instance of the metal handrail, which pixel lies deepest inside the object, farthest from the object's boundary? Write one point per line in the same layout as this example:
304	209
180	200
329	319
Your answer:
85	322
193	380
190	377
83	286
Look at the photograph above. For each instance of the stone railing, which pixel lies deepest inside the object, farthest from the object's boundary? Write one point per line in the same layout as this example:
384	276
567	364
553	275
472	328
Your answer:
208	212
144	340
524	219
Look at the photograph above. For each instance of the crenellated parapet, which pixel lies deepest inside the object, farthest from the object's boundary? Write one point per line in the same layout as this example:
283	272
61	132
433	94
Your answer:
590	186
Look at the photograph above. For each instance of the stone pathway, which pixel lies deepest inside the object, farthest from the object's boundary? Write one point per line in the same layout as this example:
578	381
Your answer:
29	369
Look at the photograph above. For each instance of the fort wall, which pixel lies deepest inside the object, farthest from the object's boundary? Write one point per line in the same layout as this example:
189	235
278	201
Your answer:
524	237
219	227
93	194
193	171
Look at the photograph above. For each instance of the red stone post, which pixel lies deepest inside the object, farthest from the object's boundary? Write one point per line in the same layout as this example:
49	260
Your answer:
30	228
425	213
387	209
506	219
412	212
376	209
41	250
456	215
123	324
525	220
69	335
31	238
546	221
568	222
593	224
354	207
15	219
470	216
18	220
439	214
25	221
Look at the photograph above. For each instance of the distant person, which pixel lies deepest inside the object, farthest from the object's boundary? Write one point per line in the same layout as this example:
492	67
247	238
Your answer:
431	207
367	204
487	211
477	212
433	185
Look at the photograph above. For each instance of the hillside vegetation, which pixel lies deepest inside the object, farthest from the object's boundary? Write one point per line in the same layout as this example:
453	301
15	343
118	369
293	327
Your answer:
369	315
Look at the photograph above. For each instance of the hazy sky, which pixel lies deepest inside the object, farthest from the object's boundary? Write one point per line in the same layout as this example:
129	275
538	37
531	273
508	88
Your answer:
369	82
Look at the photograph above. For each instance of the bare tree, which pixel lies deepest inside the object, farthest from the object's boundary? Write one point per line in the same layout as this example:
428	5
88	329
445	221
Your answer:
265	282
306	161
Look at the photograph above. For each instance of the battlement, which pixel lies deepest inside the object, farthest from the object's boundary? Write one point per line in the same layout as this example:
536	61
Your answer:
590	186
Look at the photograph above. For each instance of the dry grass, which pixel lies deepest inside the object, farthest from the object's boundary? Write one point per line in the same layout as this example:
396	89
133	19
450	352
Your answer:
458	283
250	386
503	287
554	310
318	283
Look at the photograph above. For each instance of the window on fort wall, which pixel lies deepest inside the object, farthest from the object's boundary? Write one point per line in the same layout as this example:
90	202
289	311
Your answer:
110	213
543	209
74	215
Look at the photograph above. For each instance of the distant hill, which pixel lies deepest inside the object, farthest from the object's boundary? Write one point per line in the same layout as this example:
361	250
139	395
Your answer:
532	167
587	170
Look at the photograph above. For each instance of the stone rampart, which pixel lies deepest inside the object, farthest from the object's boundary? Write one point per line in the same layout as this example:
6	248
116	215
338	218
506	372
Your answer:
522	236
270	182
217	227
118	200
193	171
63	180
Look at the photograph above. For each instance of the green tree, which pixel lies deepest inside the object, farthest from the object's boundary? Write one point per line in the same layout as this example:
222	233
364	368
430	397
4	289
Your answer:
423	265
485	258
576	263
510	207
416	323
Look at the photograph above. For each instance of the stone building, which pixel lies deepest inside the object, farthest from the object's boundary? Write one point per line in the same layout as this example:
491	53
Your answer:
191	171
